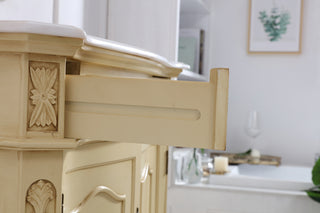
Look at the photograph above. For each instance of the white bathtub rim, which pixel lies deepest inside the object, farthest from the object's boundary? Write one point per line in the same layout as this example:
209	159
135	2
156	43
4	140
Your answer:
236	179
241	189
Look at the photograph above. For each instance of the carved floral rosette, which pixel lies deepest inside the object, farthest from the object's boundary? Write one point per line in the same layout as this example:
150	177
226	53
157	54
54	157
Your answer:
43	96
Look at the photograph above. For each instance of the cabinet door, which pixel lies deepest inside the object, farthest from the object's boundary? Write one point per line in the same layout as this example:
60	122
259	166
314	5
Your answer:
150	111
102	177
153	181
148	179
162	175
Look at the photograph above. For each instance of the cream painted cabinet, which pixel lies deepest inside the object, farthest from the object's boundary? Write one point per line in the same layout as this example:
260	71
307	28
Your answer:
91	118
128	173
116	166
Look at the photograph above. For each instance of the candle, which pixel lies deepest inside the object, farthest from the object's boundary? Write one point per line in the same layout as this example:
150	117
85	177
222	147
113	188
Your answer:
255	154
220	164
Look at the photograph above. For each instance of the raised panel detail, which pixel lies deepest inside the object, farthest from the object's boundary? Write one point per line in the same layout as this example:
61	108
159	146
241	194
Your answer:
102	199
107	164
116	175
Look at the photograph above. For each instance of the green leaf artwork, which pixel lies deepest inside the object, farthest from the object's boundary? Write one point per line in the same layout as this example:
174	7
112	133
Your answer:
314	192
275	24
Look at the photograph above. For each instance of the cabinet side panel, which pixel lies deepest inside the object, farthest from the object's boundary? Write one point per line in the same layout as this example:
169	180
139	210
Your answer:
9	181
10	81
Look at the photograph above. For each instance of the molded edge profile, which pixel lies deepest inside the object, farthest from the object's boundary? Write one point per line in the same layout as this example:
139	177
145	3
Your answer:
33	27
131	50
38	37
109	53
43	143
101	190
39	44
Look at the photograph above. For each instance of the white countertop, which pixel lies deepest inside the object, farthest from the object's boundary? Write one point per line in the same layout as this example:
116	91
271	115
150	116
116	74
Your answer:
74	32
41	28
124	48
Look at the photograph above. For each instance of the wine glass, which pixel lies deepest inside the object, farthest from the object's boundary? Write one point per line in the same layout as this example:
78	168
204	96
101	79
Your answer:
253	124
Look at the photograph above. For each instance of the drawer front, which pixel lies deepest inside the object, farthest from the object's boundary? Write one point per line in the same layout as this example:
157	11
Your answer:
150	111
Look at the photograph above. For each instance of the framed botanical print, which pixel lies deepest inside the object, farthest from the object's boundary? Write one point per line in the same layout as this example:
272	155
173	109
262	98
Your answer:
275	26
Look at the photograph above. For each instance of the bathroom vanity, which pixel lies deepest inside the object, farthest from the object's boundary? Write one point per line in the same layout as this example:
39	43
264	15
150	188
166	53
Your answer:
85	122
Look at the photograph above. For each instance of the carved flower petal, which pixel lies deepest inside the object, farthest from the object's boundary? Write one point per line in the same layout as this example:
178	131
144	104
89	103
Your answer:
43	118
35	78
35	114
52	91
51	96
51	78
36	97
43	75
50	113
35	92
36	101
52	100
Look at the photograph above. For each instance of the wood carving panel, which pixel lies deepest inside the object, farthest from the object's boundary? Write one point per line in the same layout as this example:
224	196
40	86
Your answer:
43	96
41	197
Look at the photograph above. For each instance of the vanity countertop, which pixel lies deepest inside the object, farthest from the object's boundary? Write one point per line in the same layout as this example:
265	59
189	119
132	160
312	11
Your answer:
158	65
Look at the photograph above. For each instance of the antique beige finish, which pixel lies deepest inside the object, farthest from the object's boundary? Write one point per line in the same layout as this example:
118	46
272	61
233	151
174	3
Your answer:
140	108
113	102
148	180
41	197
32	73
130	170
112	165
102	190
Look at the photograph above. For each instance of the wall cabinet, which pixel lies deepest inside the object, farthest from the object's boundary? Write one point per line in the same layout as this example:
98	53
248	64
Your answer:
78	114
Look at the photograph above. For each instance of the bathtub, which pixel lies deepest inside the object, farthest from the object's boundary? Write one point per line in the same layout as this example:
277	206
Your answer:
247	189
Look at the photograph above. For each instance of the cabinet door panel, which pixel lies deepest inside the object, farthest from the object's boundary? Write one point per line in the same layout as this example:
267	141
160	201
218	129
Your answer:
150	111
114	176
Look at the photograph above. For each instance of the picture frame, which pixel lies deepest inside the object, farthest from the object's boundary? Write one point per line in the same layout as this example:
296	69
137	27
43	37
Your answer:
275	26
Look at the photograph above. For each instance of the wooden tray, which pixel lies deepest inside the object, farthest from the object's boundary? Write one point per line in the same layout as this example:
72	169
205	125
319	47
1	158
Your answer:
235	159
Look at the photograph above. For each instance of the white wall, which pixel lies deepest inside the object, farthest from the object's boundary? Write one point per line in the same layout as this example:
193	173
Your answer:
31	10
283	88
90	15
148	24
